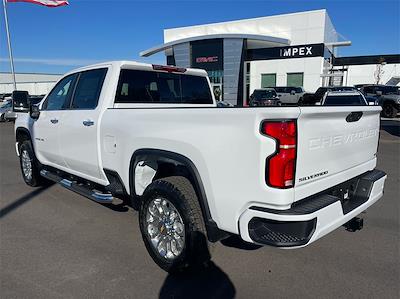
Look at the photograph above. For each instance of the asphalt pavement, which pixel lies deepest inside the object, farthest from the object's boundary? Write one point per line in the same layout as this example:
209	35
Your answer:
57	244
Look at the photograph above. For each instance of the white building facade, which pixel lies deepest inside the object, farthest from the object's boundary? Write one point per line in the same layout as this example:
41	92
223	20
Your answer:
35	84
296	49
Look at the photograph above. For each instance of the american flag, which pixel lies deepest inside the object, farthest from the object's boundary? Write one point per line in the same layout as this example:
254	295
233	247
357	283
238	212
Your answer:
48	3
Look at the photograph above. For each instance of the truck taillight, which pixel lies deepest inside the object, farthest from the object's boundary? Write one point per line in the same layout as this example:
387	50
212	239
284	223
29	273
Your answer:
280	168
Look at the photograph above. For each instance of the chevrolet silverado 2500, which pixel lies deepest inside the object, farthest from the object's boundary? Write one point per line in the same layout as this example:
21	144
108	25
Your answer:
278	176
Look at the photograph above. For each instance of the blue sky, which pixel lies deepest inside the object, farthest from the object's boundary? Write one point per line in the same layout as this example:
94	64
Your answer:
55	40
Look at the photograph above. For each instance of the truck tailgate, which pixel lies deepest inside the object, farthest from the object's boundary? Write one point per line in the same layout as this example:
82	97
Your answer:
334	145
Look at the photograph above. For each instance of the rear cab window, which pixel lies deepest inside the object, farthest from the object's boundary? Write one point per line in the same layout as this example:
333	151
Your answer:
153	87
350	100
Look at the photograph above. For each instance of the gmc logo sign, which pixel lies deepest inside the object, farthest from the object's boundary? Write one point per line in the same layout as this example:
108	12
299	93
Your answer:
296	51
207	59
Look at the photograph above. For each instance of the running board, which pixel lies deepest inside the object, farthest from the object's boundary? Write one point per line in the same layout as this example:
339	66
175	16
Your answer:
82	190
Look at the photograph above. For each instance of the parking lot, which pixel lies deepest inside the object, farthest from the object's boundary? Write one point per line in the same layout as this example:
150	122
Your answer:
57	244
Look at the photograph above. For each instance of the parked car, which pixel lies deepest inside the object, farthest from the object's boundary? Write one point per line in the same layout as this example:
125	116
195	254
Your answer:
152	134
343	98
264	97
289	95
6	112
372	100
4	96
310	99
388	97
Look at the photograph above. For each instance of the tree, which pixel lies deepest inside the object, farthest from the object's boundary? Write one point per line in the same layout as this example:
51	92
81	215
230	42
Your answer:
378	74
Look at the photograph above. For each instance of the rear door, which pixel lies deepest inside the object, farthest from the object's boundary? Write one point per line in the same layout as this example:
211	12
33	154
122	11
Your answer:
47	127
335	142
79	131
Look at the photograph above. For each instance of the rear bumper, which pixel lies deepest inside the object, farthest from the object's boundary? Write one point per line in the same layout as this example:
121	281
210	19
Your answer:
312	218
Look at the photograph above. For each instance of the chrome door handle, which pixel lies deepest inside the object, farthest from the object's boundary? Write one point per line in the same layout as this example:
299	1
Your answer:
88	123
54	120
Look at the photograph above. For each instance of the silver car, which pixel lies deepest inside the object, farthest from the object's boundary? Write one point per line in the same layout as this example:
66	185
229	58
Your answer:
6	112
289	95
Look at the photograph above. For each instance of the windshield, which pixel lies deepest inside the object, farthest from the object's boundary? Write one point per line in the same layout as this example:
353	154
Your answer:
351	100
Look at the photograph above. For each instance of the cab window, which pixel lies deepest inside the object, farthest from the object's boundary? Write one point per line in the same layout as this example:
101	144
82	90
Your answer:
60	96
88	89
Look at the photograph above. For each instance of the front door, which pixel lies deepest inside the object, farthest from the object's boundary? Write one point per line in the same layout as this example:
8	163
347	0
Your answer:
45	129
80	125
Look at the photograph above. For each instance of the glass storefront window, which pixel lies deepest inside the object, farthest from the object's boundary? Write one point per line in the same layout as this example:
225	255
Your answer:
295	79
216	77
268	80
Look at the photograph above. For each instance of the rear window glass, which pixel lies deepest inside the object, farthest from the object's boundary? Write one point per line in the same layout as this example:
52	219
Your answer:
356	100
137	86
279	89
264	94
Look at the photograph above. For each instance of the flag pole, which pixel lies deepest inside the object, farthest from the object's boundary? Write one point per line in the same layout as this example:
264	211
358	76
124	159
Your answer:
9	46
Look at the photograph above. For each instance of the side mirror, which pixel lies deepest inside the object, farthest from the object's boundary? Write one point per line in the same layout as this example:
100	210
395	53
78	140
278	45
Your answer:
318	104
20	101
292	92
378	93
371	103
34	111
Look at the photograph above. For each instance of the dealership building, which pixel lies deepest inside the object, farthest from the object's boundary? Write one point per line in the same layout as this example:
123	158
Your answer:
297	49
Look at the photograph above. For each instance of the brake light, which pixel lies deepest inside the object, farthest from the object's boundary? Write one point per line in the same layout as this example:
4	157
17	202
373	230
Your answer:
280	168
169	69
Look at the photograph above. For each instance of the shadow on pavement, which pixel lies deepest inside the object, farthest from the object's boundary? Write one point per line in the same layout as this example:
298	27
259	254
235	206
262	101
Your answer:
237	242
391	126
123	206
209	281
20	201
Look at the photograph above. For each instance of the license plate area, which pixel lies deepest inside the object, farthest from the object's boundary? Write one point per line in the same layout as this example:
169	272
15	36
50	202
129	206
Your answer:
352	193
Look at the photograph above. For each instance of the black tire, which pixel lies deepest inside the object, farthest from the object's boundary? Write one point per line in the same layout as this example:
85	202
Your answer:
35	179
180	192
388	110
2	118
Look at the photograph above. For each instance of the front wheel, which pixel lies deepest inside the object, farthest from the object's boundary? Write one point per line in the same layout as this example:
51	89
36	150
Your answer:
172	225
29	165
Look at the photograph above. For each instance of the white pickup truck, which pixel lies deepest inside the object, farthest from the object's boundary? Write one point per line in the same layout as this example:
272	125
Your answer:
278	176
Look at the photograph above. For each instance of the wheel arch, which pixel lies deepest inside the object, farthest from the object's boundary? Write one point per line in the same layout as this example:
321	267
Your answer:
172	158
22	134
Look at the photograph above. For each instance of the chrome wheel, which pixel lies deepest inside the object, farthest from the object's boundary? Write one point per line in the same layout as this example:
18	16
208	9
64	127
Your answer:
165	228
26	165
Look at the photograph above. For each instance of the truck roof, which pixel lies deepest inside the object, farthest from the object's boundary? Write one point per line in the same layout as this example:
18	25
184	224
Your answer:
127	64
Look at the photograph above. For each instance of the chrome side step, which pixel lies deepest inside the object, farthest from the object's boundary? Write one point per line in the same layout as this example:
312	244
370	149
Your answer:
80	189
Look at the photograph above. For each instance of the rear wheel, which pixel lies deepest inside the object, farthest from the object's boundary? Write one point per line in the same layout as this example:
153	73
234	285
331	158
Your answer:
29	165
172	225
388	110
